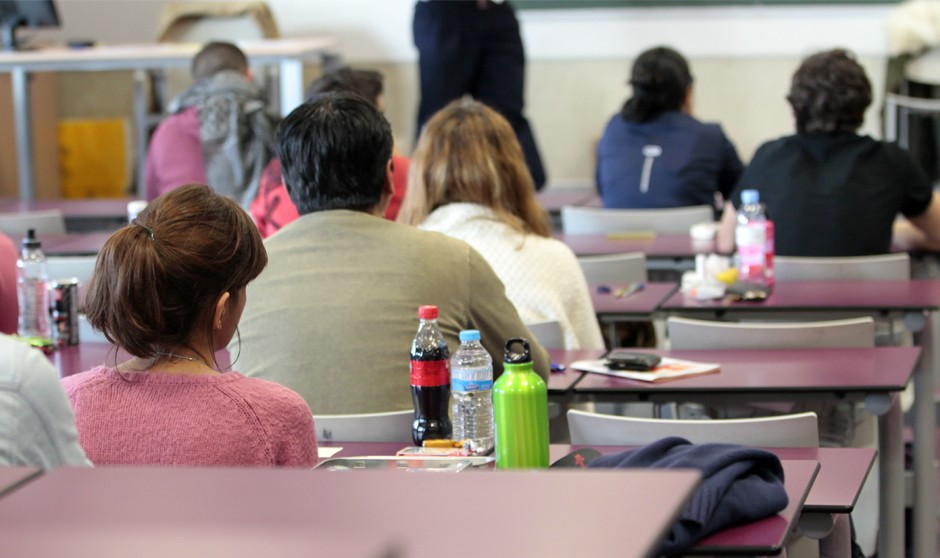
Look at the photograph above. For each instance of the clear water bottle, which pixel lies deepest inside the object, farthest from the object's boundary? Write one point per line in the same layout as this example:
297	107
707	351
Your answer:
32	289
471	392
754	237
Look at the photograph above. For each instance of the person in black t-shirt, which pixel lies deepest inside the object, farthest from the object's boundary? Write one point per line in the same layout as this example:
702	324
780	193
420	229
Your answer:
830	191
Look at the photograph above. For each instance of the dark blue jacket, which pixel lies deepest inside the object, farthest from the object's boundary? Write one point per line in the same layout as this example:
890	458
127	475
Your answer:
740	484
689	161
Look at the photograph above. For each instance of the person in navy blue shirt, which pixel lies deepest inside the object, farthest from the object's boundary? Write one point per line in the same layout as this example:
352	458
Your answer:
654	153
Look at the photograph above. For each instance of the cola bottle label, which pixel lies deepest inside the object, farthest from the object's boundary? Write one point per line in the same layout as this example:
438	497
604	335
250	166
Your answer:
427	373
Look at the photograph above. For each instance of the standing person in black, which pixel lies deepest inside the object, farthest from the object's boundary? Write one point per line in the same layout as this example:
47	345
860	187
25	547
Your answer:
473	47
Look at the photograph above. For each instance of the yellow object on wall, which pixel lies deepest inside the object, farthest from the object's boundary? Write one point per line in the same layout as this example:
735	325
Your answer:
93	157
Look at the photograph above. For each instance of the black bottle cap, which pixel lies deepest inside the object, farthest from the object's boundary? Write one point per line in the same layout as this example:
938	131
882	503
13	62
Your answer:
30	240
512	357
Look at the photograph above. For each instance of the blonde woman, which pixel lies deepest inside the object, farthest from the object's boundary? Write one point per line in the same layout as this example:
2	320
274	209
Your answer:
469	180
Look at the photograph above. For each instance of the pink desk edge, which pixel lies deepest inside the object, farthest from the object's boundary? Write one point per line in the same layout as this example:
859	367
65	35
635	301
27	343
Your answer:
12	478
879	369
762	537
79	510
842	471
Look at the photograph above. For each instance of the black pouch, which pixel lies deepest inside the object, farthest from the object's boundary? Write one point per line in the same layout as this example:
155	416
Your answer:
619	359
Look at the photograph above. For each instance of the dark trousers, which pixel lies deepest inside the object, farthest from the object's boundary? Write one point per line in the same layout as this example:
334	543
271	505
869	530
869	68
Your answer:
468	48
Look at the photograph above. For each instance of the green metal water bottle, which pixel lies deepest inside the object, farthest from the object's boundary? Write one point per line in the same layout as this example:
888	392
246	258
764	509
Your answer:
520	407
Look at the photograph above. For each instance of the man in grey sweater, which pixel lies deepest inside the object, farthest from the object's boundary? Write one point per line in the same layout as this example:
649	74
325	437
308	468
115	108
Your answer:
333	315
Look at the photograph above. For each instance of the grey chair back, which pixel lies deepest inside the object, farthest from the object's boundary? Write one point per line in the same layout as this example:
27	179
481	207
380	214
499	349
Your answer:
589	220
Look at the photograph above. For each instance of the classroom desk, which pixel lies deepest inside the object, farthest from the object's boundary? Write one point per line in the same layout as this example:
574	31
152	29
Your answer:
638	306
553	199
917	301
842	471
871	375
672	253
12	478
81	215
656	247
560	383
802	471
287	54
144	511
766	537
74	244
85	356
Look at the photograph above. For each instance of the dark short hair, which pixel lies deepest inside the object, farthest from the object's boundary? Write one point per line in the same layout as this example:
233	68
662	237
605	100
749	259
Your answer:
365	83
157	280
333	153
829	93
660	80
216	57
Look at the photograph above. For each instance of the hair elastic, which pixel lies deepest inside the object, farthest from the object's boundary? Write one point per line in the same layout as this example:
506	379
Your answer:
146	228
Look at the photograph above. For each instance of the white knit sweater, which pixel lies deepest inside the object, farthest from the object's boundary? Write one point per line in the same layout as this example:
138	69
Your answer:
541	275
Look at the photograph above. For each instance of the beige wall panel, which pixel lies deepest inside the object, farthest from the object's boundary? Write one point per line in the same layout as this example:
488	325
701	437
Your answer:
45	135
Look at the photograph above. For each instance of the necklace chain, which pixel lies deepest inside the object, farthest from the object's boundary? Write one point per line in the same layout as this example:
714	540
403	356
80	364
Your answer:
174	355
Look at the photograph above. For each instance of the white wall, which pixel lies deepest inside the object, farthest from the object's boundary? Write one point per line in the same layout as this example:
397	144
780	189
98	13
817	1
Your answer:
742	58
380	30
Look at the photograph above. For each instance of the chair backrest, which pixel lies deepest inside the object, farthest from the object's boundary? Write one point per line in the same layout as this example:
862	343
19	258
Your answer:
65	267
882	267
784	431
548	334
685	333
394	426
46	221
589	220
616	268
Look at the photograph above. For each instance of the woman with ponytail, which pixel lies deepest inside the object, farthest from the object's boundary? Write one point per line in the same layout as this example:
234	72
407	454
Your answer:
654	153
169	289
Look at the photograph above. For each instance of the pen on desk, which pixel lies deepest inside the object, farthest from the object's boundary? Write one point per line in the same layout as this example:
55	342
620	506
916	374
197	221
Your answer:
630	289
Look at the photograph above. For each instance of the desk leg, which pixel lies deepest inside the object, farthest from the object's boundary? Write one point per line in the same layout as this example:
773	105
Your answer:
22	113
891	494
925	478
140	131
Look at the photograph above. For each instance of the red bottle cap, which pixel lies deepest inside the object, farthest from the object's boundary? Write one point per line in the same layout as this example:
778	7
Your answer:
427	312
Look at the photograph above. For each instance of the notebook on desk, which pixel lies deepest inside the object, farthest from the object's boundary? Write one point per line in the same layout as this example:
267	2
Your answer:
667	369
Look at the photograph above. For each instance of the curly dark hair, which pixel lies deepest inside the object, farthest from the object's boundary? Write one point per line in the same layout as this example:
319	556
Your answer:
829	93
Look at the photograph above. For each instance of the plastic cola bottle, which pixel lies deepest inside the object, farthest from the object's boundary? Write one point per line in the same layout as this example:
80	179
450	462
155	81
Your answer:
430	379
520	402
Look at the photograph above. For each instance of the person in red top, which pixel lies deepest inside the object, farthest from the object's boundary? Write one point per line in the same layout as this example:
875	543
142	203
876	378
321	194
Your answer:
8	301
273	208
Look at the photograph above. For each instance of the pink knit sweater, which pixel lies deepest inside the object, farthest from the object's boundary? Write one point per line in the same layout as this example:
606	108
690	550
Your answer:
135	418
